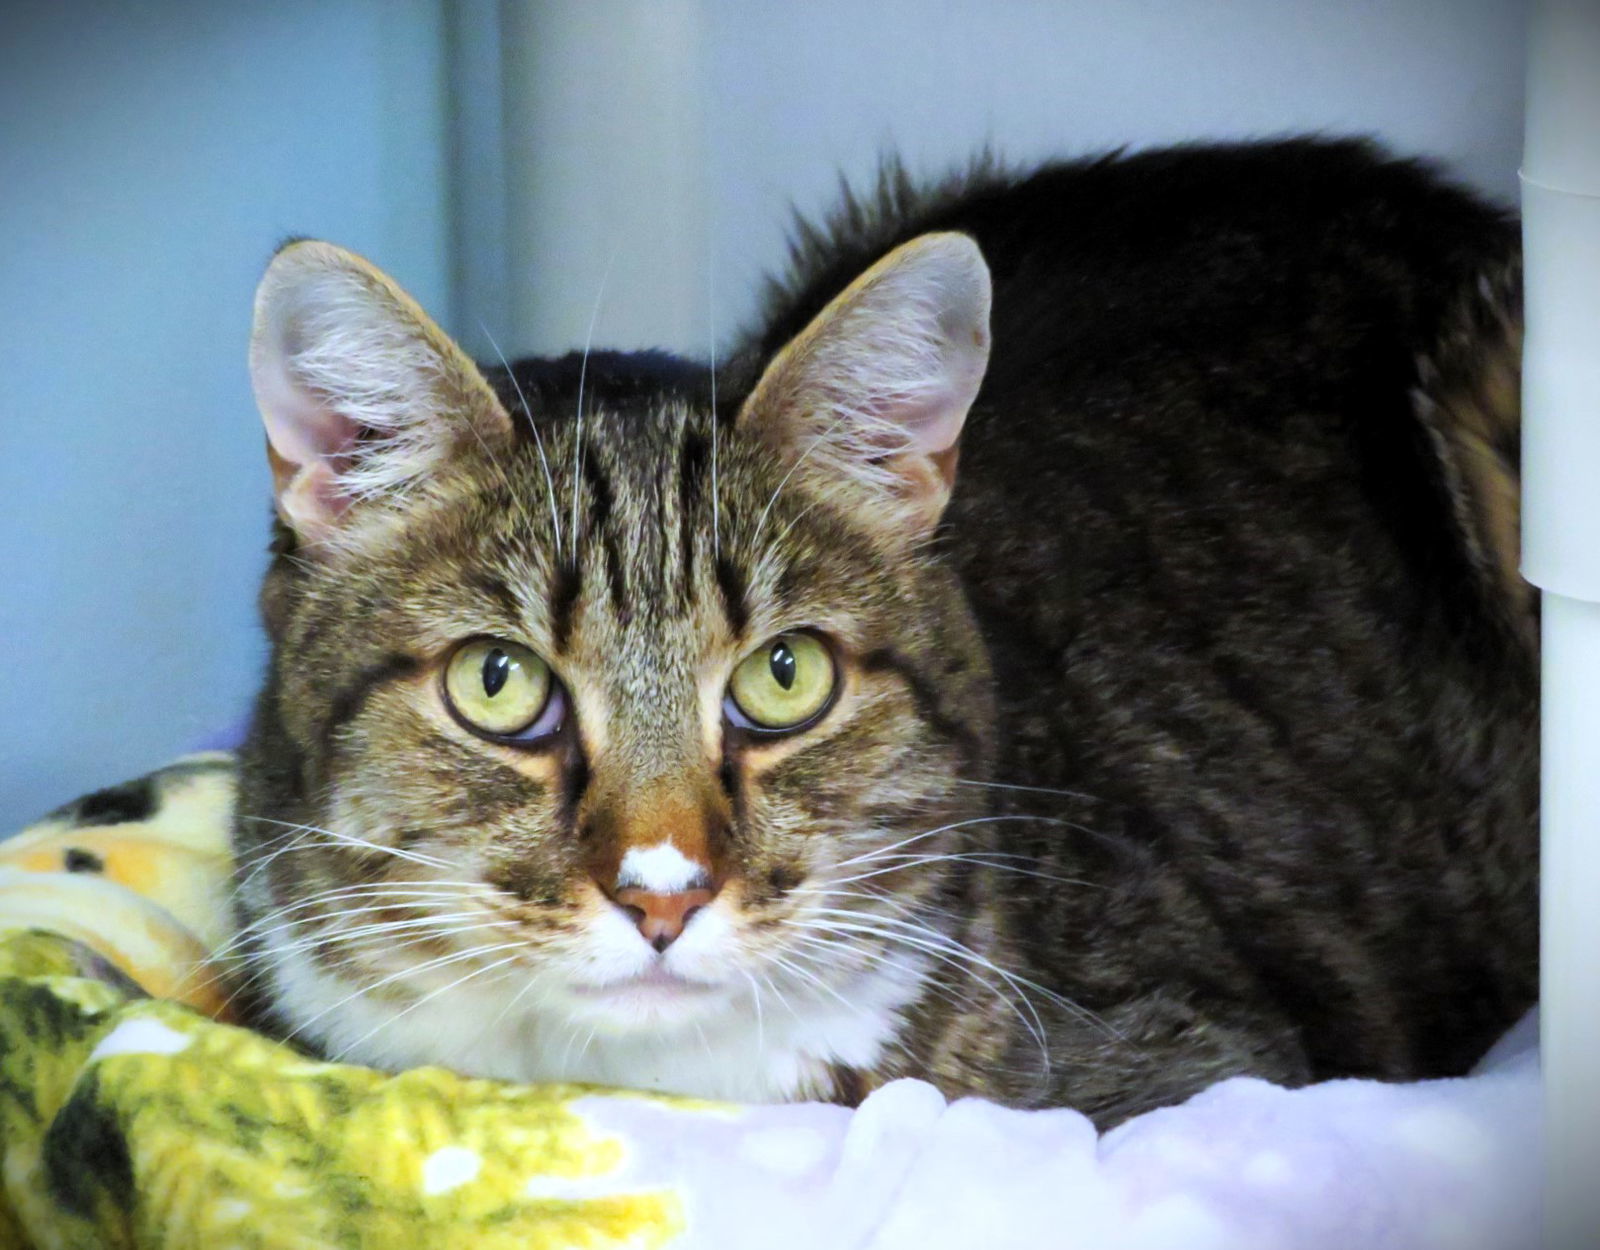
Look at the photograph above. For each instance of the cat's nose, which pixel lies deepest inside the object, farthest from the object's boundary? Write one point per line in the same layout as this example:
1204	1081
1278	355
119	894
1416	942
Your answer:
661	917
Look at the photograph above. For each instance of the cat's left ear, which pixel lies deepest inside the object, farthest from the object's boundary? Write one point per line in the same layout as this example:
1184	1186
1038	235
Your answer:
362	395
868	401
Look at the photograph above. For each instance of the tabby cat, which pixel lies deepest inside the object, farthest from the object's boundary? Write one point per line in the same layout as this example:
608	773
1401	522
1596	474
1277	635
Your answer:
1147	699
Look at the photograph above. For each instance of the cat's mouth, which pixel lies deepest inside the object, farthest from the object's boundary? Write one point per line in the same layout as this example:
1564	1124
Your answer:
655	983
653	999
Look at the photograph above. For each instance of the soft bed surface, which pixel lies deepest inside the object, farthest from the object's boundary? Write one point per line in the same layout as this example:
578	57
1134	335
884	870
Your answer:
133	1121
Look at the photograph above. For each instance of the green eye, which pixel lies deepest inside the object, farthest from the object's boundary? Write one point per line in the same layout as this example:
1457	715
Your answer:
782	684
498	687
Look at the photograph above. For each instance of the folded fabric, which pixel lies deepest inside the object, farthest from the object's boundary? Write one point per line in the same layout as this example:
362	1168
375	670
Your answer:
132	1121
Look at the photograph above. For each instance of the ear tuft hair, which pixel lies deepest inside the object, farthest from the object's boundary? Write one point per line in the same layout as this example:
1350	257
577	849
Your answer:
361	394
872	395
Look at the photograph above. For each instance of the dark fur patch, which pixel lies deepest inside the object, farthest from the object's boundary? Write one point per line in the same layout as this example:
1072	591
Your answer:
731	585
501	594
849	1086
564	603
600	505
693	457
348	702
926	693
116	805
576	777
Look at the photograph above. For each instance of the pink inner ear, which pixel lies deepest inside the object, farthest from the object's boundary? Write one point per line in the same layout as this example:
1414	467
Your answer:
303	430
301	424
314	442
934	423
319	491
927	424
313	498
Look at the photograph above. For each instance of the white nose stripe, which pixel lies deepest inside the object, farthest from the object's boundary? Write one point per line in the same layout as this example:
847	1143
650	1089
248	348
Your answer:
659	869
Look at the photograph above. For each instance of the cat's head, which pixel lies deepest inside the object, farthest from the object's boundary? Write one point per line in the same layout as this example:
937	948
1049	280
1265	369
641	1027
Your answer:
595	702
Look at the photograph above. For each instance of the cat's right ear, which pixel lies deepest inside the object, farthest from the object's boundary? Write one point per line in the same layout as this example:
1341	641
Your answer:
361	394
868	401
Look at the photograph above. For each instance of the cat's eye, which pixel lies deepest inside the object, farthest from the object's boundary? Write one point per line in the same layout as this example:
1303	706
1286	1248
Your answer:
784	684
503	690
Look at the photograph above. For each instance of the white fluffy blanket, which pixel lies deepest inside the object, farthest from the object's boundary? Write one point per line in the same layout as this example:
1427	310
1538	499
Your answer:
1346	1165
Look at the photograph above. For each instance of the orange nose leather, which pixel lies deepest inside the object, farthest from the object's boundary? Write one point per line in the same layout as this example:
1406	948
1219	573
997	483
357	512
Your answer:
661	917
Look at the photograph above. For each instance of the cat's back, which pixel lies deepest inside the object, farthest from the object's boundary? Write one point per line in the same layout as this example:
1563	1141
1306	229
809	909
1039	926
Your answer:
1196	330
1236	512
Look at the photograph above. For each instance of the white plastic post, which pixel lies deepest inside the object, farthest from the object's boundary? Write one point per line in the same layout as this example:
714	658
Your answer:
607	229
1561	555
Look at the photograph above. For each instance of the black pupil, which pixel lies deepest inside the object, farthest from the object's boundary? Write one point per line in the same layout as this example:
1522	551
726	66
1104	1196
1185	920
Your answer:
496	668
783	666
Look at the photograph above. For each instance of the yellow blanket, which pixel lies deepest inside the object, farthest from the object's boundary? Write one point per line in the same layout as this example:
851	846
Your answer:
135	1121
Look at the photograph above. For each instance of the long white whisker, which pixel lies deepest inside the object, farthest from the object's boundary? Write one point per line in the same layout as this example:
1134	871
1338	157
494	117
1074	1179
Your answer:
1026	1014
289	839
755	999
510	1004
293	835
776	992
711	326
264	968
705	1042
442	886
935	944
482	919
255	928
967	953
527	412
401	935
428	997
1001	785
350	893
427	965
795	970
396	889
835	948
403	888
996	860
583	374
348	839
879	852
761	521
353	911
566	1055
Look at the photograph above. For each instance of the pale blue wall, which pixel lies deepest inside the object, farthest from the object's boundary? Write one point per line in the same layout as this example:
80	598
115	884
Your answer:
151	156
